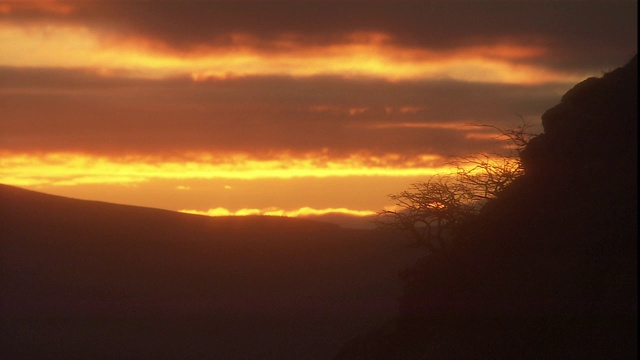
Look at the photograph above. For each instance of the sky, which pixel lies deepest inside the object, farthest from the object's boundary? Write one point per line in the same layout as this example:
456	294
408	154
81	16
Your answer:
294	108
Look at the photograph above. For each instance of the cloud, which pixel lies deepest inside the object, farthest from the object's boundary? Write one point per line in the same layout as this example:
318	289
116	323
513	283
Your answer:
365	56
83	110
67	169
302	212
286	104
340	216
576	34
262	79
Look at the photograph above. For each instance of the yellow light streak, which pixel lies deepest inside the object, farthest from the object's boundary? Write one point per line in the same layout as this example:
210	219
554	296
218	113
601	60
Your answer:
367	55
66	169
302	212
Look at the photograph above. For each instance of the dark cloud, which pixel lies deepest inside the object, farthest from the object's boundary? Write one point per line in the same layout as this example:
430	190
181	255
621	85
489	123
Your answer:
57	110
580	34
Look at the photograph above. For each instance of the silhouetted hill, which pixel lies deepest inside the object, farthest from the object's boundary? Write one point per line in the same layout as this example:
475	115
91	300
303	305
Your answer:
549	268
92	280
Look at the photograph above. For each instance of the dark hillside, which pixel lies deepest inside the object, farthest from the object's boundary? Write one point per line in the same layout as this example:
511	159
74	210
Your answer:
549	268
91	280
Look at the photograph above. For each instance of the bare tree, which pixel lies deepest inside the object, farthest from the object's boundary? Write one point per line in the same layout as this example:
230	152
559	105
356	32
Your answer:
516	137
487	174
428	212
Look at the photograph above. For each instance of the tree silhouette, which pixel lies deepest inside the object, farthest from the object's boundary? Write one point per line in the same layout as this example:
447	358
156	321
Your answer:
484	176
429	213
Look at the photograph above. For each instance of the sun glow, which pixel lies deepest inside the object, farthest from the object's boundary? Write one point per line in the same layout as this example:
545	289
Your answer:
366	55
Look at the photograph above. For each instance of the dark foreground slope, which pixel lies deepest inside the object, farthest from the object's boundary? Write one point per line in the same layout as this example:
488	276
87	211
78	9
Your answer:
549	268
91	280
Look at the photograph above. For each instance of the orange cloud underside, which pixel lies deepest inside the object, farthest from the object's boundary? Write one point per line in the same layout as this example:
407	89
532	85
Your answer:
65	169
366	55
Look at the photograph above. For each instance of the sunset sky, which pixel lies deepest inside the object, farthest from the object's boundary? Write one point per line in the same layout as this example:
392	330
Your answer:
280	108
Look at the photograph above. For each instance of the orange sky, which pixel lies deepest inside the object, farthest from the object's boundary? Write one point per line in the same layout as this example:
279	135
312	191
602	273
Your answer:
281	108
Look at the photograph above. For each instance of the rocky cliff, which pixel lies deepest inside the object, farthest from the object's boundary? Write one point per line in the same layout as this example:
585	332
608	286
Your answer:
549	268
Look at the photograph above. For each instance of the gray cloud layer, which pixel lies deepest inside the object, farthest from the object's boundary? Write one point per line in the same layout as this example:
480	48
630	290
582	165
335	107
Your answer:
54	109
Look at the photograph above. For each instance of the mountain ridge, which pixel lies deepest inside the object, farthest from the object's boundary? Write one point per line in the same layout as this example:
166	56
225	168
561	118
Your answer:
14	193
85	279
